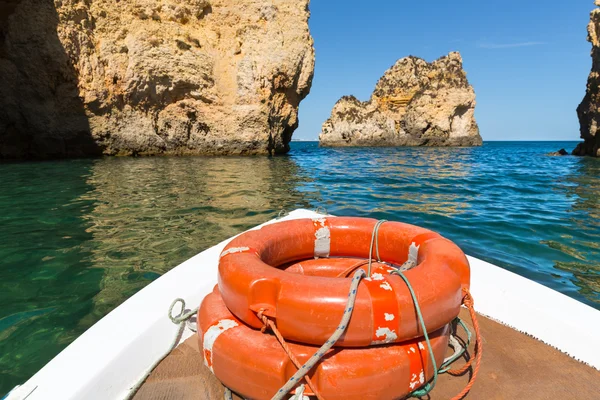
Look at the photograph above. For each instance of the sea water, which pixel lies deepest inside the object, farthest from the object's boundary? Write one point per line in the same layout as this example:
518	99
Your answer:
78	237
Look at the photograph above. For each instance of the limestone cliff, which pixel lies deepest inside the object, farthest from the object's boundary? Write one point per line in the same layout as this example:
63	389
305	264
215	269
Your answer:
415	103
589	109
83	77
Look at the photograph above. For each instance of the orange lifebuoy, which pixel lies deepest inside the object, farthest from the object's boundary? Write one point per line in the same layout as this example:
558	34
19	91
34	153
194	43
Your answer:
308	309
254	365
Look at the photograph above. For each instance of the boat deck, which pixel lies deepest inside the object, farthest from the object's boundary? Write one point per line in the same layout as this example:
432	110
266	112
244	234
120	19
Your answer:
514	365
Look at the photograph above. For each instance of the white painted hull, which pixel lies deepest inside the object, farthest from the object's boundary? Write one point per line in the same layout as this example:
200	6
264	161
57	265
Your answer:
111	356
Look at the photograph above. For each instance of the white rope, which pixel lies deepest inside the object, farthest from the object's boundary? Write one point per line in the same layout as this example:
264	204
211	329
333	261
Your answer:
180	319
282	213
374	240
458	350
303	370
299	394
409	264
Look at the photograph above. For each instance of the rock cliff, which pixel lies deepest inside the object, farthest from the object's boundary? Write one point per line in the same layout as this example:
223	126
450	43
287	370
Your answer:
129	77
589	109
415	103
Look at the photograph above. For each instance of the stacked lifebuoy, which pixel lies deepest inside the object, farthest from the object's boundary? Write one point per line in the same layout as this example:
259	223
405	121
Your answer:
295	273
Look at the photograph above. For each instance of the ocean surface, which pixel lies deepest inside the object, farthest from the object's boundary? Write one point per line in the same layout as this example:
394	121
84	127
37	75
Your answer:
78	237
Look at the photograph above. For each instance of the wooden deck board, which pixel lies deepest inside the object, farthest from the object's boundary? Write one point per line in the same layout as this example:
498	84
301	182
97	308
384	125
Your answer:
514	366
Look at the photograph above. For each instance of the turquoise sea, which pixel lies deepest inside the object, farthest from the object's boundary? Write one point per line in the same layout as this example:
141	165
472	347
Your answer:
78	237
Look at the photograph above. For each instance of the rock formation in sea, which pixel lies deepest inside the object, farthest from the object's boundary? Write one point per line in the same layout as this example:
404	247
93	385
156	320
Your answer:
561	152
81	77
415	103
589	109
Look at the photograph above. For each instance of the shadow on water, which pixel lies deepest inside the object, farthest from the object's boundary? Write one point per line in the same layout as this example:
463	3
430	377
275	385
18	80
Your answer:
47	284
41	114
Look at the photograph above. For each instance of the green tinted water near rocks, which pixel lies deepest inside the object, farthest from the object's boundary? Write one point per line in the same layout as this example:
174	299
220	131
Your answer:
79	237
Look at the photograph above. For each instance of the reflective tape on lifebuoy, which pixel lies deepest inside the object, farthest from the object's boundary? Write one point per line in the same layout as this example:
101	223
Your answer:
308	308
254	365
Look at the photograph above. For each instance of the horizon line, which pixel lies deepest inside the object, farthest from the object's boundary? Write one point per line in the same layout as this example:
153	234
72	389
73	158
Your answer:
488	140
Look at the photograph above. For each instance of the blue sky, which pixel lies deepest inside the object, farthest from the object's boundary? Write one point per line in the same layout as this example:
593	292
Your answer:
527	59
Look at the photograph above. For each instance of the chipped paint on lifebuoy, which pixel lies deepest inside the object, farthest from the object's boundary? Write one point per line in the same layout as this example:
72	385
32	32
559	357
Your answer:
385	335
234	250
417	380
322	238
211	336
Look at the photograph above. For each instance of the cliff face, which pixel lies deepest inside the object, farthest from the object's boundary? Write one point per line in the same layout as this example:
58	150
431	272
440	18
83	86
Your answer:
415	103
589	109
81	77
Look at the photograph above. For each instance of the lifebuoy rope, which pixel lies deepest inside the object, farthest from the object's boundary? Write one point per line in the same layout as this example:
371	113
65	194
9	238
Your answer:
304	369
476	356
467	302
478	353
351	269
429	385
459	349
374	238
270	324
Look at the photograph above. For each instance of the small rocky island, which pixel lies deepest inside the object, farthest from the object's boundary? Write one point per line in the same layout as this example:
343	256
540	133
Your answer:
145	77
589	109
415	103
